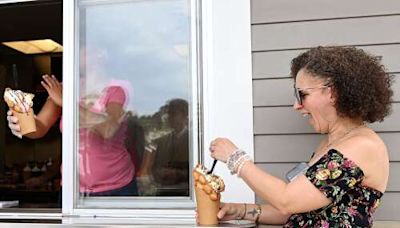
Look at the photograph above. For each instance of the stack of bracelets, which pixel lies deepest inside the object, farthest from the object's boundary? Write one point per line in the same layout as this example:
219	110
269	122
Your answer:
236	161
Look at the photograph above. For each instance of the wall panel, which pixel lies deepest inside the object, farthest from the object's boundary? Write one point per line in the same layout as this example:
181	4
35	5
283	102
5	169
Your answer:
357	31
276	64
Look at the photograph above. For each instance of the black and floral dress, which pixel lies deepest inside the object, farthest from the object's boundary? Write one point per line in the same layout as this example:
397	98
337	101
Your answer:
339	179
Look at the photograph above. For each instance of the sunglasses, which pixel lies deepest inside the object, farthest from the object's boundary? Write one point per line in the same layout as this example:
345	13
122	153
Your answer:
299	94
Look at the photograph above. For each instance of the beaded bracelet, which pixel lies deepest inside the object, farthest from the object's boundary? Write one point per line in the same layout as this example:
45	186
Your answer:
233	158
236	161
247	158
239	161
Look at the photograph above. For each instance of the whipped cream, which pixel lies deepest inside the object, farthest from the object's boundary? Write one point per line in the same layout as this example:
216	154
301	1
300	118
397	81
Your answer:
214	181
20	99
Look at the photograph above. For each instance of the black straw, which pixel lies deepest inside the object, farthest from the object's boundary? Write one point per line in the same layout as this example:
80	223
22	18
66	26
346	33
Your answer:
213	166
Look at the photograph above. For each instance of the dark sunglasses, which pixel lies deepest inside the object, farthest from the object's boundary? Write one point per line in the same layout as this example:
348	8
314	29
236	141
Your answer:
298	93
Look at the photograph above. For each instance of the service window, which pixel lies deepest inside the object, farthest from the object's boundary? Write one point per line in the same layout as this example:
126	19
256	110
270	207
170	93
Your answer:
136	92
30	46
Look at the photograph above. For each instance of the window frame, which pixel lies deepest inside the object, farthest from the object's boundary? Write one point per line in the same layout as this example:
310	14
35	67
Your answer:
93	206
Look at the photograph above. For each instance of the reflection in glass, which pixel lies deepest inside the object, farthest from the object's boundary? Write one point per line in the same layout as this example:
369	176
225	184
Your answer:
135	77
165	168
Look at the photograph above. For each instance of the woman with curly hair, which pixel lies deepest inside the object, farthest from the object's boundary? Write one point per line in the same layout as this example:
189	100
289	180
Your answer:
339	90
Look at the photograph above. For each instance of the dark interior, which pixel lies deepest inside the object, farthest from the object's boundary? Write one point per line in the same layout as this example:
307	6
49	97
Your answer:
31	20
20	22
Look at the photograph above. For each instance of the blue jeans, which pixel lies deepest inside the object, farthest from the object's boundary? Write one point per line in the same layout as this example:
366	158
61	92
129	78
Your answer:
130	189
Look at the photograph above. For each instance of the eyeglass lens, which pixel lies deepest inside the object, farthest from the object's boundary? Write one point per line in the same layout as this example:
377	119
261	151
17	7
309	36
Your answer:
299	95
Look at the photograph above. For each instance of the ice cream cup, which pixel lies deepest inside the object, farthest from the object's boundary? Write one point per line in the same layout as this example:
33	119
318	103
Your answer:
26	121
207	209
208	188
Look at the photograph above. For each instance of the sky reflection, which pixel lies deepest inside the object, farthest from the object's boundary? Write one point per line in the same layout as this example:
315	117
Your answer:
143	42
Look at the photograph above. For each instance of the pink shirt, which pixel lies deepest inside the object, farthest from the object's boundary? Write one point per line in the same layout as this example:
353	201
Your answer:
105	164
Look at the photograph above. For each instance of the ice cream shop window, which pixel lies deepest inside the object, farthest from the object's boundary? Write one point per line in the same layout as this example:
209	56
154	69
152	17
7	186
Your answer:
143	89
136	103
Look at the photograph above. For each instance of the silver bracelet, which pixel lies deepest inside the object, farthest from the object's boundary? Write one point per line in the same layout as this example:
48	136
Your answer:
230	162
236	160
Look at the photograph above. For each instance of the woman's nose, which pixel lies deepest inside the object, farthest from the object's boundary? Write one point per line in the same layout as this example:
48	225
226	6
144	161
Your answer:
297	106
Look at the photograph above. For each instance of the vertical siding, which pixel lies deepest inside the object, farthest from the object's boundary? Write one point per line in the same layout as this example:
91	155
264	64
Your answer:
281	29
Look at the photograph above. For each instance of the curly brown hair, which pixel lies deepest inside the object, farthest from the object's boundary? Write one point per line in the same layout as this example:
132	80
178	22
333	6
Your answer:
361	86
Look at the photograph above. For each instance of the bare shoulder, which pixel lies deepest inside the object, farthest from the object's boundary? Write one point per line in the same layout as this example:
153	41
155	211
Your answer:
369	152
364	146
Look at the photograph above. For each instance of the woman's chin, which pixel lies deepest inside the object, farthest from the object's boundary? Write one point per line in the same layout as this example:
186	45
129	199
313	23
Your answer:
317	130
312	123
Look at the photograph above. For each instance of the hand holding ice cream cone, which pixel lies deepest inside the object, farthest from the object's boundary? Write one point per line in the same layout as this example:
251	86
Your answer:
13	124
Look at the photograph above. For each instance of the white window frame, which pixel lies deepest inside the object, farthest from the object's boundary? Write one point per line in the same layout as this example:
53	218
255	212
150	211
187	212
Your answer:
227	103
125	203
227	89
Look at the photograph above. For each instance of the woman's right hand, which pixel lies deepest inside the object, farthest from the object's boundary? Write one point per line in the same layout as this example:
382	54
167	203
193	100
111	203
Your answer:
231	211
13	124
222	148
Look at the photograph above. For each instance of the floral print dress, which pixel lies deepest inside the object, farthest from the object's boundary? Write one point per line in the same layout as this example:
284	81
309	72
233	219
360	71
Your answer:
339	179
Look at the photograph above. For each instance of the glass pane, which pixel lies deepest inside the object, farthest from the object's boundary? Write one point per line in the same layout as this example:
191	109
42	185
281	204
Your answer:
134	98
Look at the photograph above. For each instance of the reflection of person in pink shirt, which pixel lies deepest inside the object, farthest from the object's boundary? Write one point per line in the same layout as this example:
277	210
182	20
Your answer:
106	167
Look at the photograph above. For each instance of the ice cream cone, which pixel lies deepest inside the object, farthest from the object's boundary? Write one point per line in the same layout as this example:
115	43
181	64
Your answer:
20	103
26	121
207	209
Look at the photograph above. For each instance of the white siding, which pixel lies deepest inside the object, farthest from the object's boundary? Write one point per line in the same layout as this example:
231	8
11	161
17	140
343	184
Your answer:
281	29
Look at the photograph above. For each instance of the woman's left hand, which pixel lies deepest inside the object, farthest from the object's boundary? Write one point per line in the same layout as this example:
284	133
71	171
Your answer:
221	148
54	88
227	211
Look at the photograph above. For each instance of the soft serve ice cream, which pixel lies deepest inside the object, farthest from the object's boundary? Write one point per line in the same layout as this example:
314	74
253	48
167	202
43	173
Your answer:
18	101
208	188
211	184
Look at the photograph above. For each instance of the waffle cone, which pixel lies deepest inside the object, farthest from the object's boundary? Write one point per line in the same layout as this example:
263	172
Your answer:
26	121
207	209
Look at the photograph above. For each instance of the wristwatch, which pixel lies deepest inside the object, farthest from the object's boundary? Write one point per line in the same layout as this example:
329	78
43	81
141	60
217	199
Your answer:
258	213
